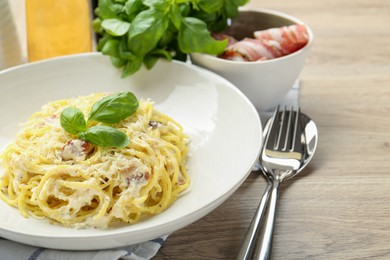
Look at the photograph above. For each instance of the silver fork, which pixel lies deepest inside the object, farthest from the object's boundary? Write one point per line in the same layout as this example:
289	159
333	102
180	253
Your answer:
280	160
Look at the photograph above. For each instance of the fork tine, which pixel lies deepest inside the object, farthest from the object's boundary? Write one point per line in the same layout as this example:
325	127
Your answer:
284	131
272	136
284	134
292	131
295	129
281	129
288	132
296	142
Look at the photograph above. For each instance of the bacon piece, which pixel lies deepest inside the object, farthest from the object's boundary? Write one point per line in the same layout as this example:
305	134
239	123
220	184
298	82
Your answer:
233	55
135	173
291	38
154	124
268	44
76	150
253	50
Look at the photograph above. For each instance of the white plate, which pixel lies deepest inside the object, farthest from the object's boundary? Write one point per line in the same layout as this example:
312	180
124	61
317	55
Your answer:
223	126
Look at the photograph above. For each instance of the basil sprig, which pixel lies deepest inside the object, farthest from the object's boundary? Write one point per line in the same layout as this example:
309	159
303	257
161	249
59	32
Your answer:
136	32
109	110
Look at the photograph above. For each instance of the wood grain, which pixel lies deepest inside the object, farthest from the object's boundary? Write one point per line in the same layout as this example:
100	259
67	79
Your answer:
339	207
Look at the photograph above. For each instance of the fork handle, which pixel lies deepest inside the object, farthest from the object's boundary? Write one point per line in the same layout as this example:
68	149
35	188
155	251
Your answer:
263	251
249	242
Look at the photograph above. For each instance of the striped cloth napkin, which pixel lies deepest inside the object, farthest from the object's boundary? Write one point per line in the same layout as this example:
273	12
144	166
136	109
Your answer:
10	250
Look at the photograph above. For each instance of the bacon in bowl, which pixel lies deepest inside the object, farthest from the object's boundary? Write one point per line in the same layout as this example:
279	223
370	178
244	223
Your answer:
266	44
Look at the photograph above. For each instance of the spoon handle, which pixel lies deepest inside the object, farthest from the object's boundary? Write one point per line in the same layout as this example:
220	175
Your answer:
249	242
263	251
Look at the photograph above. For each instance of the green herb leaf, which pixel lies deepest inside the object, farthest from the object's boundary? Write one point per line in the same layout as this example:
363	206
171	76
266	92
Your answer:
117	62
115	27
175	16
72	120
194	37
124	52
151	59
178	27
211	6
132	8
107	9
114	108
111	48
105	136
240	2
131	67
146	30
102	42
157	4
97	25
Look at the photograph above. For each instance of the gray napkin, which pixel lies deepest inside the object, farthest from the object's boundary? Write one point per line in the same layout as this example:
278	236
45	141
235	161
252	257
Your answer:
291	99
10	250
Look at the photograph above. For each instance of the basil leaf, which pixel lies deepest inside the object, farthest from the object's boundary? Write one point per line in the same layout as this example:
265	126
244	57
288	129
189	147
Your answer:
97	25
72	120
157	4
230	9
131	67
240	2
111	48
152	57
124	52
108	9
114	108
115	27
150	61
103	42
132	8
194	37
117	62
211	6
105	136
160	53
146	30
185	9
175	16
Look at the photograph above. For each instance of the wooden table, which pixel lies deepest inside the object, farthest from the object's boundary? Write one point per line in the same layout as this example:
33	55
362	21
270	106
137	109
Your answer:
339	207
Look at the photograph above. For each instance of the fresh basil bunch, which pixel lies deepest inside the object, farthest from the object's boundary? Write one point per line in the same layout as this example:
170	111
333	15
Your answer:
109	110
136	32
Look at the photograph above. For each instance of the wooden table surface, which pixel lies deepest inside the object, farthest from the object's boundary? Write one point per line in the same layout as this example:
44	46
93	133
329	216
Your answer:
339	207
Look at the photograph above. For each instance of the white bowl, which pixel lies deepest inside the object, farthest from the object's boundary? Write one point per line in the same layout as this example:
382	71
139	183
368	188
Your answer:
199	100
265	83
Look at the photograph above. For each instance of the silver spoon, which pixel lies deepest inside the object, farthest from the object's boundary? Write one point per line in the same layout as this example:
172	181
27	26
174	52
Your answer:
311	135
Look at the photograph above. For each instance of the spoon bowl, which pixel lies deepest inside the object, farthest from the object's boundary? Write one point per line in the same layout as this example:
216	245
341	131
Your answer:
310	133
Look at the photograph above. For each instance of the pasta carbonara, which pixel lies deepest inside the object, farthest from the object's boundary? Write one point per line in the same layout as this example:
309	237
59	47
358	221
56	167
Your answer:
49	173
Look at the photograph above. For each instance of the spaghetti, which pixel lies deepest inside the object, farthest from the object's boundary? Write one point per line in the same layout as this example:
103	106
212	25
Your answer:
49	173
